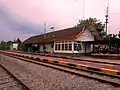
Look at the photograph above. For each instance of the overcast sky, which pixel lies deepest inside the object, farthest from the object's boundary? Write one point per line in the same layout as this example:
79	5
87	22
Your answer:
59	13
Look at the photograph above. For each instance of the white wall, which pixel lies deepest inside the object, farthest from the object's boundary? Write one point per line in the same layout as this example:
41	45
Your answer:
14	46
86	36
60	51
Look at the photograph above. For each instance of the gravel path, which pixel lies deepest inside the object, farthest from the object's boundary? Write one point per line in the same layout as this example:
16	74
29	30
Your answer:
45	78
7	82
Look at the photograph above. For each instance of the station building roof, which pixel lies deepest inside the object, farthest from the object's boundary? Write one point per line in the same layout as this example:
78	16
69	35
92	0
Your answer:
60	35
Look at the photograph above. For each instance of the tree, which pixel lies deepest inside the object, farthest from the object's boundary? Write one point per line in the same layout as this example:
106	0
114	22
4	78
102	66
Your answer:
18	41
97	23
4	46
119	34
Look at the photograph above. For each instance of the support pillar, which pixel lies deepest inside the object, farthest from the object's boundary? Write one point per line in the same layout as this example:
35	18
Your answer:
117	49
85	49
93	47
38	48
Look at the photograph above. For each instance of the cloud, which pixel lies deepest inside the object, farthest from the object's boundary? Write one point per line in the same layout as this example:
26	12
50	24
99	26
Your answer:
57	13
16	23
12	26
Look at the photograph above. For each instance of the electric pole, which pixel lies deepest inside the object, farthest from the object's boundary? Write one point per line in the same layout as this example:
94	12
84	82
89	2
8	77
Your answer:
44	29
106	20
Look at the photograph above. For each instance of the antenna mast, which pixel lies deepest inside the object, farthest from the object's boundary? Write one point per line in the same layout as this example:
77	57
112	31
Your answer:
83	9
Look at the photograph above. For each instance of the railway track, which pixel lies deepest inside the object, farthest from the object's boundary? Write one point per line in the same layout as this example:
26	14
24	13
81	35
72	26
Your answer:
9	82
77	60
104	78
112	62
94	66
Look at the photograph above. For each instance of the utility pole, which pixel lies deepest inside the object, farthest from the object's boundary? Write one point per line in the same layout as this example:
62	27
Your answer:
52	28
106	22
44	37
44	29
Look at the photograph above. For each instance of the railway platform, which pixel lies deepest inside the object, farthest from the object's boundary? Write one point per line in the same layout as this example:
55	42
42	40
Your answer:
102	67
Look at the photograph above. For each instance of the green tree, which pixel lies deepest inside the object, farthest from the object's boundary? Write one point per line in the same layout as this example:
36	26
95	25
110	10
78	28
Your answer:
18	41
97	23
4	46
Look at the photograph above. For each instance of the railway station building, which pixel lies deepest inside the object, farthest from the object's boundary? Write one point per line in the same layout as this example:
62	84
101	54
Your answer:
69	40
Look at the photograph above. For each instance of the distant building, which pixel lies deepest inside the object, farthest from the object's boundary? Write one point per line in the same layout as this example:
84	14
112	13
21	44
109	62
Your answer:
15	44
70	40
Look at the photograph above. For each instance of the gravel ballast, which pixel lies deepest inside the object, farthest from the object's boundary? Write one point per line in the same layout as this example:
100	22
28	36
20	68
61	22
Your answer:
39	77
8	82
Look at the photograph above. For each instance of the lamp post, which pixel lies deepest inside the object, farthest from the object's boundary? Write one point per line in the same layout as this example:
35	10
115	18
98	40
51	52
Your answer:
52	28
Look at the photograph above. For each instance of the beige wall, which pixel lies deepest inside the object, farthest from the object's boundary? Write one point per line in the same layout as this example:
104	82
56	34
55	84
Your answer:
49	48
41	48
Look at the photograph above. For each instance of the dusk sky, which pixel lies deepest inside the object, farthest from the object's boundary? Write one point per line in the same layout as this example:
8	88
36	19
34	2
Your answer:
57	13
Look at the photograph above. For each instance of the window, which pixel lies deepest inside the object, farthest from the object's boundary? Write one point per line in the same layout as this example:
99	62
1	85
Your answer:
58	46
70	46
63	47
55	46
77	46
66	46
